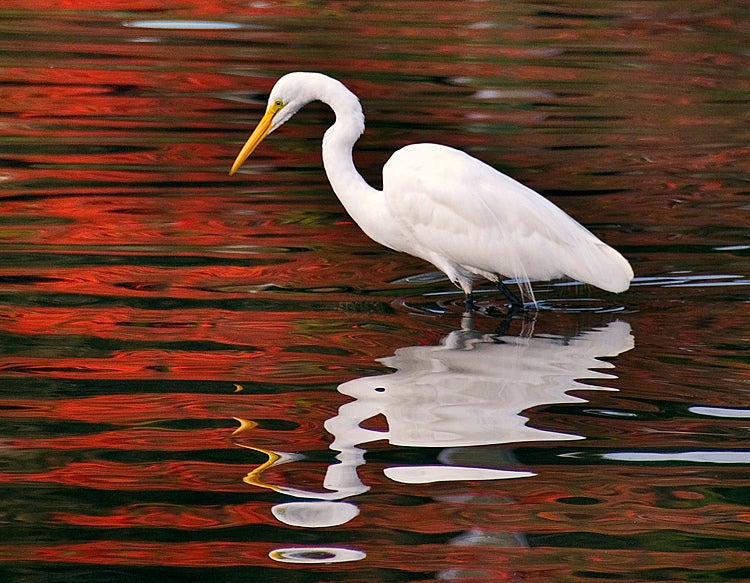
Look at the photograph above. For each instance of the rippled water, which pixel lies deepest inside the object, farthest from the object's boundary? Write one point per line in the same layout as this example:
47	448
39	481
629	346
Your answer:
214	377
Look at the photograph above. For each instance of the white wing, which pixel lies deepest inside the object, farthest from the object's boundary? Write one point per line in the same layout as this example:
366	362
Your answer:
454	209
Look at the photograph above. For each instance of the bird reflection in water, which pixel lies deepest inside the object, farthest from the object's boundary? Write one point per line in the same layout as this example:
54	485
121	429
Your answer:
470	390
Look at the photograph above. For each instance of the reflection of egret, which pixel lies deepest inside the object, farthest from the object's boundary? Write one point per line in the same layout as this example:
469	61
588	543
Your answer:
470	390
444	206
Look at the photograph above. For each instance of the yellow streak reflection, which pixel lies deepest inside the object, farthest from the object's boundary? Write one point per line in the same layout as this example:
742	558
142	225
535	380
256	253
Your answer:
245	424
254	478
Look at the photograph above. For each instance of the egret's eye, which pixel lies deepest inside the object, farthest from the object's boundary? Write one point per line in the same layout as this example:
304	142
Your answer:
278	104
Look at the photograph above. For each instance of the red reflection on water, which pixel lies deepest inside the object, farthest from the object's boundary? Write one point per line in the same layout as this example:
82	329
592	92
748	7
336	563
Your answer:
174	476
493	564
172	516
138	408
125	243
132	439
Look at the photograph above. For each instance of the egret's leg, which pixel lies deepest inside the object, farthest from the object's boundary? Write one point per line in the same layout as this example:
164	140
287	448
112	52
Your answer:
502	329
468	302
515	303
528	319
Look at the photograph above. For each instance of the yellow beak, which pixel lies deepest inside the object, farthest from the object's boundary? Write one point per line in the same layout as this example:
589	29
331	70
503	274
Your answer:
264	126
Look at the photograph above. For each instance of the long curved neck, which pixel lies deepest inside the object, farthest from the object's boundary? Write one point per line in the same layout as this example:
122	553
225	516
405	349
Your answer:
363	203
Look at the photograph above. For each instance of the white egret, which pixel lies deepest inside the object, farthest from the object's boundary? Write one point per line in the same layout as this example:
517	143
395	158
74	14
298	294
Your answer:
444	206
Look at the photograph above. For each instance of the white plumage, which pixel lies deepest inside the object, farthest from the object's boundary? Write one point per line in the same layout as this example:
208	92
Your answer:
446	207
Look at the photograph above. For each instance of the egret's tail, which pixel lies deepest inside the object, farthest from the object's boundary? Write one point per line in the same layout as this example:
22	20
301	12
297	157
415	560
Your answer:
600	265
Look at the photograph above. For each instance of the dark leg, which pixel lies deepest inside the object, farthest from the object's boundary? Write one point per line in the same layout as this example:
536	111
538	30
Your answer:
502	329
515	303
527	322
469	302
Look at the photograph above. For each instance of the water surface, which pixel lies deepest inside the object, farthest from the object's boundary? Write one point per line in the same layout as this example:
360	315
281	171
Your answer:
214	377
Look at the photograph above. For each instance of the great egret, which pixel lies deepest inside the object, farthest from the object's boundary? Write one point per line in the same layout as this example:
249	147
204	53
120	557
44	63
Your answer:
444	206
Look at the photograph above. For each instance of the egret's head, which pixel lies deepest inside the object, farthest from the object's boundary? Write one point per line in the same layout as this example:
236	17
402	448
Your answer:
288	96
